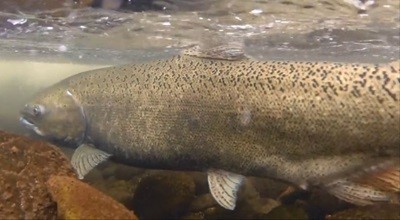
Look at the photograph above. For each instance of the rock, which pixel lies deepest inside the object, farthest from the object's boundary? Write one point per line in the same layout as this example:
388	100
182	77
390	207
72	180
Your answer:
124	172
78	200
94	176
200	178
202	202
321	203
121	171
26	166
265	205
268	187
381	211
165	195
120	190
116	180
194	215
108	169
286	212
249	205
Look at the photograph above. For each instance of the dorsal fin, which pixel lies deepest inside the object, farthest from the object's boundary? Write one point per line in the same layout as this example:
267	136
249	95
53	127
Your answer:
225	52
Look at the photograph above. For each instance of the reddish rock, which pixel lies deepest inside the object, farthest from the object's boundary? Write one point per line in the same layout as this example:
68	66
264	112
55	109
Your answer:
78	200
25	166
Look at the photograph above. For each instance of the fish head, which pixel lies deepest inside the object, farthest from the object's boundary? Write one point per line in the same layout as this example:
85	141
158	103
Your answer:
55	114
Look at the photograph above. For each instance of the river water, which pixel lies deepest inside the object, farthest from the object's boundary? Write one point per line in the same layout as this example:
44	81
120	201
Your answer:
41	46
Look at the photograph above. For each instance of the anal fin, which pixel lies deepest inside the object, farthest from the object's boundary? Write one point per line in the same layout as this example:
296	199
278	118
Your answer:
85	158
385	179
378	183
224	187
357	194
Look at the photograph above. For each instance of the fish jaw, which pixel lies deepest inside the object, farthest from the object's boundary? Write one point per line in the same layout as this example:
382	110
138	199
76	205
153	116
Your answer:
27	119
30	125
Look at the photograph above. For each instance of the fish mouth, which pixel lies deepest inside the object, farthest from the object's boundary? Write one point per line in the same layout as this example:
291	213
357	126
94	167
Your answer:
30	125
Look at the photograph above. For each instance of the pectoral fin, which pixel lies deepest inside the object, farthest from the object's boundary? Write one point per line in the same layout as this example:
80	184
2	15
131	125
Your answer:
85	158
224	186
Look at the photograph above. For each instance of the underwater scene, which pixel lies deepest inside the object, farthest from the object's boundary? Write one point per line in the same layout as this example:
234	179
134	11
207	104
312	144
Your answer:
200	109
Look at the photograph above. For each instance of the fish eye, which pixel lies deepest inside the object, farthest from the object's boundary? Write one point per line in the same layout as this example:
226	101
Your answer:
37	110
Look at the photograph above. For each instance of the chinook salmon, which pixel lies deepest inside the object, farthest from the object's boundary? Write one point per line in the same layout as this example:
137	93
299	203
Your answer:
331	125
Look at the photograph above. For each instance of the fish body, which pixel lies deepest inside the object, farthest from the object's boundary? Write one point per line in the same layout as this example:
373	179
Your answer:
299	122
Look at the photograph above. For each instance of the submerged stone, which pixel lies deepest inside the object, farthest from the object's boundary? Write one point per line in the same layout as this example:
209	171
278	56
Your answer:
268	187
119	190
165	195
286	212
25	167
320	203
78	200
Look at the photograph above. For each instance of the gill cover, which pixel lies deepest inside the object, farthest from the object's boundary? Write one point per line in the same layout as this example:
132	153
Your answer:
77	117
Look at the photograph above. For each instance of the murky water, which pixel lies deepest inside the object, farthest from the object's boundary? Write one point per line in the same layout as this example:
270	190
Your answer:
41	47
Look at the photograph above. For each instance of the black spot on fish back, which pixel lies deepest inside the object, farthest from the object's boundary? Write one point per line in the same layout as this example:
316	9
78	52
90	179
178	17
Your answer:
355	91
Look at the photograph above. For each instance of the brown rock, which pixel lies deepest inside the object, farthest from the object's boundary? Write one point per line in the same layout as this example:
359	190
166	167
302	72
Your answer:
78	200
120	190
202	202
26	166
268	187
120	171
286	212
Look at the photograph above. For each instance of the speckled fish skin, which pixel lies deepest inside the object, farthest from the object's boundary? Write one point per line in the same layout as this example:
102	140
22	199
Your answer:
294	121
